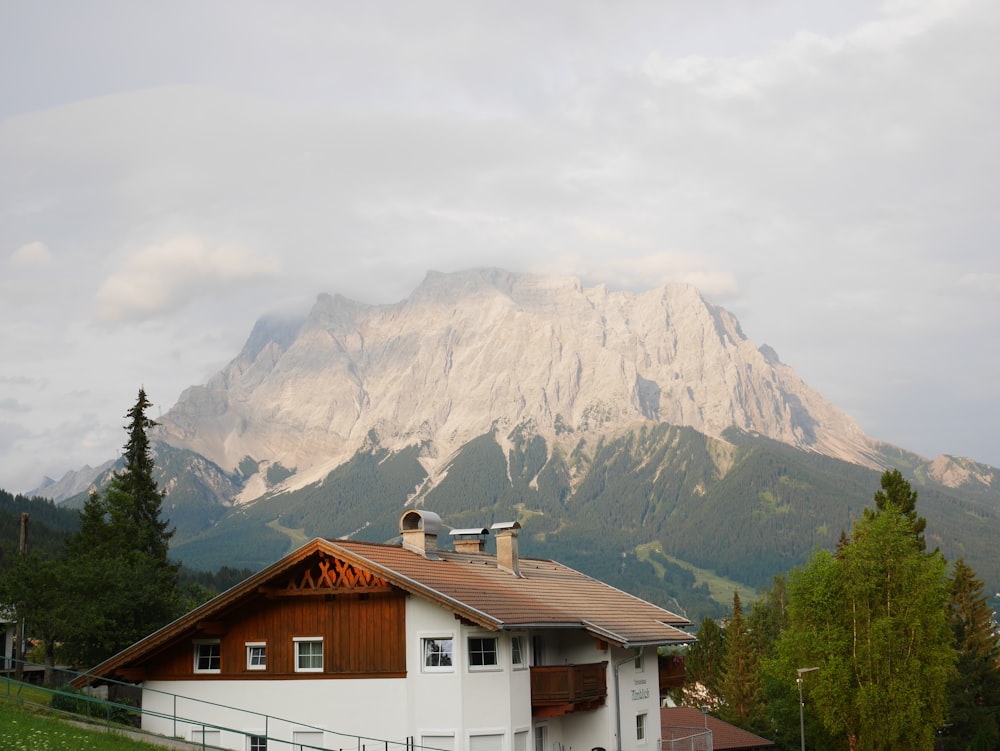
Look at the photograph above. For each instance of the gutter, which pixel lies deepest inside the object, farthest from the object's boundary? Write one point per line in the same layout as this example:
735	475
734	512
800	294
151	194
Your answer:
618	701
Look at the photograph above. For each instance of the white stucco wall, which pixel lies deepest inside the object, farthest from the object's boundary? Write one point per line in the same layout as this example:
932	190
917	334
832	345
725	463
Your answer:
453	707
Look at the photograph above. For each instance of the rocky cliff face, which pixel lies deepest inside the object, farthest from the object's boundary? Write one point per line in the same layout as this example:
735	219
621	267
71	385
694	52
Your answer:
485	349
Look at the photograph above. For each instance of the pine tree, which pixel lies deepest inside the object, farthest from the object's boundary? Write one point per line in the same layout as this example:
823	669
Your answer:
896	494
974	694
703	666
121	557
126	514
741	688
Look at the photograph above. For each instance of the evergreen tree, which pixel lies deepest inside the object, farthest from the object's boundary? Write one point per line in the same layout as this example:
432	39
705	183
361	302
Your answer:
974	694
703	666
896	494
126	514
741	688
121	555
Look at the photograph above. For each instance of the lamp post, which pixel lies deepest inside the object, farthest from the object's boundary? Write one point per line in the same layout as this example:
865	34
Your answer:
802	717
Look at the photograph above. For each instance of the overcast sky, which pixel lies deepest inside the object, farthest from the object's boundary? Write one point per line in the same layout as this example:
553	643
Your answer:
172	171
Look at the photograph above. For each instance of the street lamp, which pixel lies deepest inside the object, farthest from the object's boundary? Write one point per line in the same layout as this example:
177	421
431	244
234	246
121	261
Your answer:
802	718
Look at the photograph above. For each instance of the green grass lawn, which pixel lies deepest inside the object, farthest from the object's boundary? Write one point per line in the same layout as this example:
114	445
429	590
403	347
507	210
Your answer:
28	730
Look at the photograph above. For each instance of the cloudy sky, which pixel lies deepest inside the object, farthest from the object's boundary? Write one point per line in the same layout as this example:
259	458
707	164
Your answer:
171	171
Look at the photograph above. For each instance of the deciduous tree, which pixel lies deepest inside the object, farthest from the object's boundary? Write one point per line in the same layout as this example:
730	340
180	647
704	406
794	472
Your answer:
872	618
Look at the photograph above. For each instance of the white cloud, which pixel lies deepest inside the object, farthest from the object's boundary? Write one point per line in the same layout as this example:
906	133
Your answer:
165	277
33	255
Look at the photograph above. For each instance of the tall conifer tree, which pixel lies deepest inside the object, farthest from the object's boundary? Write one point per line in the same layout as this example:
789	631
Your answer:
121	554
741	688
975	692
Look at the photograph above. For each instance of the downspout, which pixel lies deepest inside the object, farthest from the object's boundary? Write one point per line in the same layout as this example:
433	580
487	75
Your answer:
618	700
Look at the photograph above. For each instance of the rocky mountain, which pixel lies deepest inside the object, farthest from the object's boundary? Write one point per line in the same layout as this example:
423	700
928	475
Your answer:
641	438
473	351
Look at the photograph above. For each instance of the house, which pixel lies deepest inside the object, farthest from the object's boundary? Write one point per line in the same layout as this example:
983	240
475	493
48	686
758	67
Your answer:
450	649
689	728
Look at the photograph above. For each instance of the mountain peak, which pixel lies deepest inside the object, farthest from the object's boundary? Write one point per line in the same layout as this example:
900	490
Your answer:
477	350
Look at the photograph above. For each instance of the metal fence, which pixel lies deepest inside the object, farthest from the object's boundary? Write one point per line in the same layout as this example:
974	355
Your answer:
686	739
113	710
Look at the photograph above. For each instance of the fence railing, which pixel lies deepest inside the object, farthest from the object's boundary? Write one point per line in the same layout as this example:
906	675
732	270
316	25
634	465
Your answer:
125	717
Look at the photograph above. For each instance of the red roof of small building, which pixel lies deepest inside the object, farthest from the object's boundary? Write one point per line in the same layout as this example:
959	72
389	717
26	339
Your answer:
678	722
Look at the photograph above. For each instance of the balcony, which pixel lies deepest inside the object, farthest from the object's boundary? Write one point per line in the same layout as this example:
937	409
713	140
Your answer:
562	689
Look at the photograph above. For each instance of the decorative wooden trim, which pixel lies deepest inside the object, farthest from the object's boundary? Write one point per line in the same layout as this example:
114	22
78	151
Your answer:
327	575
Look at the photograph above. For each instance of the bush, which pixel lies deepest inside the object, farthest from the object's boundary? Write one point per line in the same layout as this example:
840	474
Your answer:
72	700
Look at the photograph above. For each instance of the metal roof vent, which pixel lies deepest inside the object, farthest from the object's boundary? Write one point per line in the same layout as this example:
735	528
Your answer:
420	530
470	540
506	534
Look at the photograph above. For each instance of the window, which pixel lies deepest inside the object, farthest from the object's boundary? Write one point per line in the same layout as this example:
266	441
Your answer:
537	651
517	651
256	655
492	742
207	657
640	727
308	654
257	743
438	654
482	652
638	660
541	737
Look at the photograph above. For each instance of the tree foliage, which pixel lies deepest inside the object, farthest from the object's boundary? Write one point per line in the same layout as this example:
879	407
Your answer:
872	618
741	687
120	555
974	694
703	666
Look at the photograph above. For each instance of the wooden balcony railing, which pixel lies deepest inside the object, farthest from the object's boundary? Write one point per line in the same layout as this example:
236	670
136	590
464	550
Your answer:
562	689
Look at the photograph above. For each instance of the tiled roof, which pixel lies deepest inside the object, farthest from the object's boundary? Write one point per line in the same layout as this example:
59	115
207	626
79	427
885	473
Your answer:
676	722
545	594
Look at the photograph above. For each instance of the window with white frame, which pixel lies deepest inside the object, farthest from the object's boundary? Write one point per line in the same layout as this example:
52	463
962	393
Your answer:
637	665
640	727
483	653
256	743
308	654
256	655
438	653
207	656
517	652
541	737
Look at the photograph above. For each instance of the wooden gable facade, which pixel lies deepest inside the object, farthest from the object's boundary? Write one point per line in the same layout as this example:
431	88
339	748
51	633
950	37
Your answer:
359	617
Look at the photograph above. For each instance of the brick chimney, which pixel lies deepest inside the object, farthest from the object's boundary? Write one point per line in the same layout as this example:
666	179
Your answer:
420	531
470	540
506	534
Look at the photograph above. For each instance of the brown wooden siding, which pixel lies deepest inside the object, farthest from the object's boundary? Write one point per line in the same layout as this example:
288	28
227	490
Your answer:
363	635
